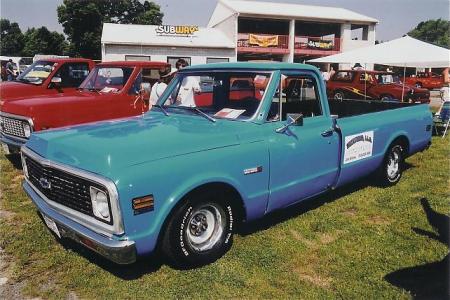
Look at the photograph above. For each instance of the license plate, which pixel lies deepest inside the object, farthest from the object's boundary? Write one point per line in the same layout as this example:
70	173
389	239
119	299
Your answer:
5	148
52	225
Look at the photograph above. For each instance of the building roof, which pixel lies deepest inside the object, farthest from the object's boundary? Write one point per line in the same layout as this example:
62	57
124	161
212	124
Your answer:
133	63
146	35
250	65
286	10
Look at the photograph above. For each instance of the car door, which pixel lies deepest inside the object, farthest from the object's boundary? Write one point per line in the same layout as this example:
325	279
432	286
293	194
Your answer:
303	158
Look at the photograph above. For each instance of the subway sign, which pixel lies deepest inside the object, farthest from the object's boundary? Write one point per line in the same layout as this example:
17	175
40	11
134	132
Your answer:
176	30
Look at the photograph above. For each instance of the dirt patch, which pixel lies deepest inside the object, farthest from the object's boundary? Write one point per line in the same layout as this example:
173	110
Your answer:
350	212
328	237
315	279
8	289
6	215
300	238
377	220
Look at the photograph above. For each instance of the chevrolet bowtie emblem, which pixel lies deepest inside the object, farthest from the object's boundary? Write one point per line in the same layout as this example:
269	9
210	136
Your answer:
45	183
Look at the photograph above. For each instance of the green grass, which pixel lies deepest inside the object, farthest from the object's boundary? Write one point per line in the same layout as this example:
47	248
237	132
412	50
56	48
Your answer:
341	245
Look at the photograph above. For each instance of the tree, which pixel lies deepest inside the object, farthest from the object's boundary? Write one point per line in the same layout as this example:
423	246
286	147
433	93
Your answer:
11	37
433	31
82	21
42	41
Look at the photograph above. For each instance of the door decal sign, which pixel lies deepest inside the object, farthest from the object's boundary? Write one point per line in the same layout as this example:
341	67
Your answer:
358	146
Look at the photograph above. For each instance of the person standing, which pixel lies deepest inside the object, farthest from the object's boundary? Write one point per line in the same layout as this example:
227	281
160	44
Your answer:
10	70
189	86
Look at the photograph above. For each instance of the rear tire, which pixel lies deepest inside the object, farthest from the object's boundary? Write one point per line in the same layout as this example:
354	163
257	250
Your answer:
391	170
200	231
339	95
387	98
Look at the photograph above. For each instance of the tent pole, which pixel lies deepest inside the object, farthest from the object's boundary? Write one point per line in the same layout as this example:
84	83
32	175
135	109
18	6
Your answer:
365	81
403	83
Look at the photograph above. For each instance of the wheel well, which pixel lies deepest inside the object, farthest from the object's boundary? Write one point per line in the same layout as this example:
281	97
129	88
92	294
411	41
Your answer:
403	141
217	188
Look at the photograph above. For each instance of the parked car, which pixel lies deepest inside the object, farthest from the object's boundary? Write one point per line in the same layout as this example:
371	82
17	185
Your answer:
46	77
110	91
426	80
373	85
182	178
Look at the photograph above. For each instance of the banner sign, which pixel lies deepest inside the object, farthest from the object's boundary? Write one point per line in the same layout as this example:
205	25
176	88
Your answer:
172	30
263	40
321	44
358	146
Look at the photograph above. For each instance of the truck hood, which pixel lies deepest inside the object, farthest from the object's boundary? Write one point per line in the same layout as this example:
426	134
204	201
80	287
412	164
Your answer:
29	105
105	147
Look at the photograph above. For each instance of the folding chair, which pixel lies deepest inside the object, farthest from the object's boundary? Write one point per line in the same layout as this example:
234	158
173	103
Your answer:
442	117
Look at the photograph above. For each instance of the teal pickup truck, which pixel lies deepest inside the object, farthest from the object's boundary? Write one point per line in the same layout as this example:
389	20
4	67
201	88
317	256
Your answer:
225	144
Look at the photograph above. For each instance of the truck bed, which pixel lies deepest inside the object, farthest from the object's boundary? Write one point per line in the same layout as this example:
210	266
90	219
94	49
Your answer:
349	108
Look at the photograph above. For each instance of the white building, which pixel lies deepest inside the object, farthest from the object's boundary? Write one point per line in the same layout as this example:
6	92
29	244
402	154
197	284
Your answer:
246	30
143	42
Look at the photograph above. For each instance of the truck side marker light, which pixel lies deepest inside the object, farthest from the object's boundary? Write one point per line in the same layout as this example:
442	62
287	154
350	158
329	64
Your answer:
143	204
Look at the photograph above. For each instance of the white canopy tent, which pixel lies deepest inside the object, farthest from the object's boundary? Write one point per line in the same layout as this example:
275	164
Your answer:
402	52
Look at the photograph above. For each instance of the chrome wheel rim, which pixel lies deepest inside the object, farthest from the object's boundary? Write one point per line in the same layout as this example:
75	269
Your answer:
339	96
393	165
205	227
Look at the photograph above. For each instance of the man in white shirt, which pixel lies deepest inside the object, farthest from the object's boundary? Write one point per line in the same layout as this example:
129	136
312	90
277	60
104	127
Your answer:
160	86
189	86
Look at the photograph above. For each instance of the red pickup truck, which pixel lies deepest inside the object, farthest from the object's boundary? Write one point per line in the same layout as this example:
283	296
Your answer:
47	77
426	80
111	90
373	85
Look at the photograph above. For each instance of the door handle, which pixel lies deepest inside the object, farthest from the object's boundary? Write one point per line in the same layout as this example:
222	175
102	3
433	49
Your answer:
328	132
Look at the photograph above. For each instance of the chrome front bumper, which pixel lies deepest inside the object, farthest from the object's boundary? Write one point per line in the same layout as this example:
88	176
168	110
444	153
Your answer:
118	251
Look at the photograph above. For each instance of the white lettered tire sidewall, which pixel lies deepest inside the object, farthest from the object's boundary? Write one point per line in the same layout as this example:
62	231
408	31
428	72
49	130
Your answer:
181	251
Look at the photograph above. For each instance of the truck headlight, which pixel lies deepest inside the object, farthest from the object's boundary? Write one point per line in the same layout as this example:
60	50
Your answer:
100	204
26	129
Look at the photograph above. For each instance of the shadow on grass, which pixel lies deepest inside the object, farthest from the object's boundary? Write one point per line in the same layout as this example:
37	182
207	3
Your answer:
428	281
144	265
306	205
14	159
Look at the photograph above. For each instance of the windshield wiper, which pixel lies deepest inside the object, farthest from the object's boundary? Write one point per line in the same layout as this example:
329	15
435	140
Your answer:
199	111
162	109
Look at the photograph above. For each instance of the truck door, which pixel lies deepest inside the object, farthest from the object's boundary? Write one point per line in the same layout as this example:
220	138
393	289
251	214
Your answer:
303	158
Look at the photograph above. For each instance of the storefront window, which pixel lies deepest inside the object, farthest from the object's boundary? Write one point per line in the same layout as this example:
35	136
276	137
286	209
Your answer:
172	60
211	60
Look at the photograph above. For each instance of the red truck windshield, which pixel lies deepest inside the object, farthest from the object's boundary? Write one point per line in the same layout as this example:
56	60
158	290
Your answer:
107	79
37	73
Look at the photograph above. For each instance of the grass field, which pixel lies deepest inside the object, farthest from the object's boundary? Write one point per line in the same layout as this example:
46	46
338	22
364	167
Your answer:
360	241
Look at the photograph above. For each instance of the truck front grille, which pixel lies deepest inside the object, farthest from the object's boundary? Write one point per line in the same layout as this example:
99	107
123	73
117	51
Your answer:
12	126
61	187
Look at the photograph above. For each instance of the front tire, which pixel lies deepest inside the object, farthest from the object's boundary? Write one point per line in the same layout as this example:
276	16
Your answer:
200	231
391	170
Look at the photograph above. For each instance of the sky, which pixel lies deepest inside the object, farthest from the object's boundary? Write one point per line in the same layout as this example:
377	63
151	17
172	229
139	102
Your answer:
396	17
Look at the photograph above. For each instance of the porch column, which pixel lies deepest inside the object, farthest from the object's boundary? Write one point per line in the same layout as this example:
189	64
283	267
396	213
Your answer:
291	41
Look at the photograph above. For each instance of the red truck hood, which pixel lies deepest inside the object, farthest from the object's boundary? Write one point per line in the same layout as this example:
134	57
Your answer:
15	90
32	105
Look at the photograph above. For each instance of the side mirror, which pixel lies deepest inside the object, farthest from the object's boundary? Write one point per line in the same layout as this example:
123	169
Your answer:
55	82
293	120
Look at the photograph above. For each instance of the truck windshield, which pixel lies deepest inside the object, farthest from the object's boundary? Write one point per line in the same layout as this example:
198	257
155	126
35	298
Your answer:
107	79
387	78
219	94
37	73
